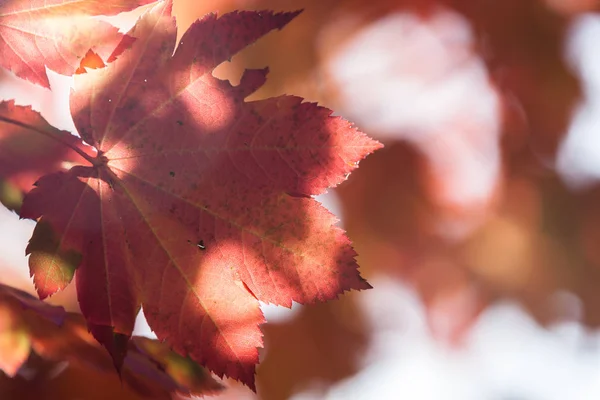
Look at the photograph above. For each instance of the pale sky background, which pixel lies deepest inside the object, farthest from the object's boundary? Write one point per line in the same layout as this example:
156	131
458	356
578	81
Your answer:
507	356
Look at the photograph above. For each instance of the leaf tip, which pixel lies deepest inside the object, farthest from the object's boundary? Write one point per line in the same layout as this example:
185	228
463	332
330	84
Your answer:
293	14
115	343
287	17
363	285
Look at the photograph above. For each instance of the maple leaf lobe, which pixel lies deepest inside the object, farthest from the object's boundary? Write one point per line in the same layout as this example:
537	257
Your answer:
51	266
30	147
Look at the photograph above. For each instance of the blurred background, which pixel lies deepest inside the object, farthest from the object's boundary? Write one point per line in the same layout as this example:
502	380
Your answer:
478	224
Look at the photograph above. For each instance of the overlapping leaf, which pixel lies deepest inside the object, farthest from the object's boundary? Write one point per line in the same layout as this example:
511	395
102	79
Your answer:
57	34
198	203
28	324
30	147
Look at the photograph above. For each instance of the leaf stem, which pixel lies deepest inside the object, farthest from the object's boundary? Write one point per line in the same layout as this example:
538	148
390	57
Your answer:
51	136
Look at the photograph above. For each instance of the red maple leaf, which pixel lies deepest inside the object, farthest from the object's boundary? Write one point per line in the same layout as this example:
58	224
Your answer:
28	325
30	147
57	34
198	203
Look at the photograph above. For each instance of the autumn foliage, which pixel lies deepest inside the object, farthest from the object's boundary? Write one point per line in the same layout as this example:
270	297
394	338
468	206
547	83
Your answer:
188	186
179	195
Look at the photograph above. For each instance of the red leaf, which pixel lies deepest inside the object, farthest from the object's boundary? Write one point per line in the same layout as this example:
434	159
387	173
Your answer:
30	147
198	203
56	34
150	368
